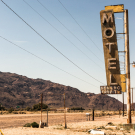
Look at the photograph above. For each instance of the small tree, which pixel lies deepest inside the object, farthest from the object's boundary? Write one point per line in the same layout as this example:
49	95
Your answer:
27	108
38	106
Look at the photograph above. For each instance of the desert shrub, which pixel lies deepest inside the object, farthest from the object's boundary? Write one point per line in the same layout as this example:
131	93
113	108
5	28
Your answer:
20	112
14	112
108	114
15	109
101	127
27	125
28	108
77	108
103	113
120	125
97	115
10	110
114	113
37	107
2	108
110	124
68	111
127	128
80	110
35	125
21	109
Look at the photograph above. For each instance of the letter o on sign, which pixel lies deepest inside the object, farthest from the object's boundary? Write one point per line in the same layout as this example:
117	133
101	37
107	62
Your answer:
108	33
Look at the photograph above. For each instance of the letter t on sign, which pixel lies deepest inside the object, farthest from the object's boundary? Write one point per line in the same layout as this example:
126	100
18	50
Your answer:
110	44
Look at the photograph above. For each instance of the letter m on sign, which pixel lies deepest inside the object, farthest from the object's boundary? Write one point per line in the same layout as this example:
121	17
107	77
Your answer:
107	18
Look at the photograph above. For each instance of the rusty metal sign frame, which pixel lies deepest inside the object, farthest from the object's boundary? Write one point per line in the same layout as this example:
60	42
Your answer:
115	8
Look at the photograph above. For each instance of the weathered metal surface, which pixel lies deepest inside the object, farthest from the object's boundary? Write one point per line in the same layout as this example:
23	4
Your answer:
127	66
110	48
115	8
123	82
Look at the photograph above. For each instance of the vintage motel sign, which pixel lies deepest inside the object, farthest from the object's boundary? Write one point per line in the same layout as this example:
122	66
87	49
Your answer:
110	50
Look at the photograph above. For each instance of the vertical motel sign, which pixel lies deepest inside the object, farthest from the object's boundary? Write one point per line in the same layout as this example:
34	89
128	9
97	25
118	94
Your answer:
110	53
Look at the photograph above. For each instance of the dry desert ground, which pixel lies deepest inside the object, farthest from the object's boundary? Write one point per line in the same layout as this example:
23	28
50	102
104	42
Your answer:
12	124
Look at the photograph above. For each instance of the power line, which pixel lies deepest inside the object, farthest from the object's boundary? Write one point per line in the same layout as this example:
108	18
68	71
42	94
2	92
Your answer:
62	34
51	44
69	31
45	61
79	25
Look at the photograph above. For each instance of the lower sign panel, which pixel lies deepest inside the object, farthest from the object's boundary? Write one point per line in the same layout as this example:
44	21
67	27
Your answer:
110	89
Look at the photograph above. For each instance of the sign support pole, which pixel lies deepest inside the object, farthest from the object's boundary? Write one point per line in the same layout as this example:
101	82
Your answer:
132	100
127	66
123	103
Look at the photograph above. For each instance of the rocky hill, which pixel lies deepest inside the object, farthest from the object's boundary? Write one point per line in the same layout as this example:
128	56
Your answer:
17	90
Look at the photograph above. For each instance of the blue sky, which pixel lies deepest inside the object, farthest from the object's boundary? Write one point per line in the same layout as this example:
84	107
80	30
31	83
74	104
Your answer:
76	46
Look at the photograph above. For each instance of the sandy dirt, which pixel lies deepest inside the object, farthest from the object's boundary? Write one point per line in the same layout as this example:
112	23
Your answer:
76	124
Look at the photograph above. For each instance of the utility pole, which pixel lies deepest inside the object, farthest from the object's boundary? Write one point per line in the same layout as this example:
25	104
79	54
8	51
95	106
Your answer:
93	114
65	113
127	66
41	105
46	112
47	117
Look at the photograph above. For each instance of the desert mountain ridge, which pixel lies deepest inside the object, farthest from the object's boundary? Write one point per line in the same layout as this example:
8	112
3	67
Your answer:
18	90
